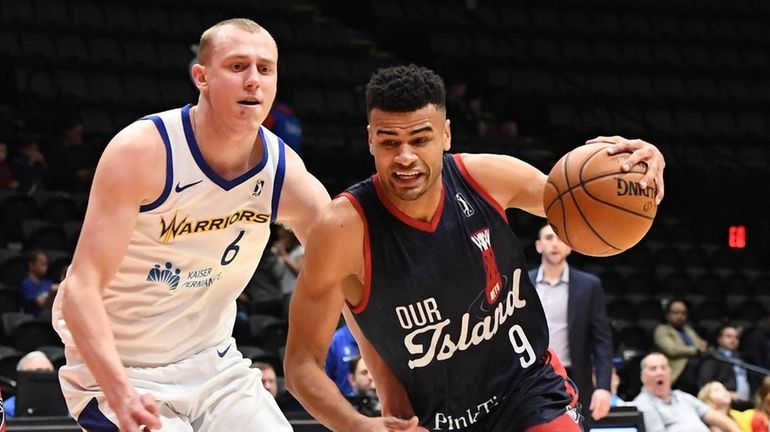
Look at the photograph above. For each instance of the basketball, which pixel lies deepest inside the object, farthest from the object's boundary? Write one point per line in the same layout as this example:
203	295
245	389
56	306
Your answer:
593	206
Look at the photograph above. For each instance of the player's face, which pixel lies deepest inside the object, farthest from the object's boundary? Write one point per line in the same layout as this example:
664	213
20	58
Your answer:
550	247
656	375
240	80
408	148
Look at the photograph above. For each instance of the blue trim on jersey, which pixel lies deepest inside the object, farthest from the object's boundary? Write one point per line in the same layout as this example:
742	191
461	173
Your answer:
280	170
169	165
93	420
210	173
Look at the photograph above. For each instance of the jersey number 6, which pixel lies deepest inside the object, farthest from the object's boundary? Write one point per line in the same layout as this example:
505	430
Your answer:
231	251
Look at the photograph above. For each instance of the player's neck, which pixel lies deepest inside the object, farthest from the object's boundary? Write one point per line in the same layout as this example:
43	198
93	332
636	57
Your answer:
229	152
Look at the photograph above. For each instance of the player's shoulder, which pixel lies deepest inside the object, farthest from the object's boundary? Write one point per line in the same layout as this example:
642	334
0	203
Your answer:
338	220
140	138
489	167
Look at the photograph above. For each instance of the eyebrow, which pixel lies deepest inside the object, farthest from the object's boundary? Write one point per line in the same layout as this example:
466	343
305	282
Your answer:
413	132
237	56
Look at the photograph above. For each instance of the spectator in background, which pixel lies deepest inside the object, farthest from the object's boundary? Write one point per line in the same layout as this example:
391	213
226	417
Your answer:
284	122
342	350
364	398
761	420
718	367
30	168
755	346
75	159
576	310
667	410
457	108
269	377
263	293
681	345
291	255
32	361
37	289
616	400
716	396
7	178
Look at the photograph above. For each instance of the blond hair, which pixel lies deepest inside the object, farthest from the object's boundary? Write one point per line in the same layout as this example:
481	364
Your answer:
206	44
705	393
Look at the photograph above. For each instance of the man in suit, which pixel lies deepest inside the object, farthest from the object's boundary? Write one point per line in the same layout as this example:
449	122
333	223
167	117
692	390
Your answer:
718	366
576	310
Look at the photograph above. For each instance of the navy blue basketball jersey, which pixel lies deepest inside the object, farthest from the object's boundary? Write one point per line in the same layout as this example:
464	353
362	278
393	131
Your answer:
448	304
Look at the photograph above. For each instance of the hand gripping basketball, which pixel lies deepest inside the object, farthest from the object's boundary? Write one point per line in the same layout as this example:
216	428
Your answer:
596	207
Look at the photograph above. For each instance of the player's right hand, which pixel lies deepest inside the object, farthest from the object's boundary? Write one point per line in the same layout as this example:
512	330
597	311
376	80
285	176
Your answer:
392	424
138	413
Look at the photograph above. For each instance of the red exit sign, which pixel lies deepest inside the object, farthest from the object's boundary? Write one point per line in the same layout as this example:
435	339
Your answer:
736	237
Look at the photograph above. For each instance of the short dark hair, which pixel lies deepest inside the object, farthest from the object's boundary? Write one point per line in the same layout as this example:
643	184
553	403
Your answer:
353	364
675	300
404	89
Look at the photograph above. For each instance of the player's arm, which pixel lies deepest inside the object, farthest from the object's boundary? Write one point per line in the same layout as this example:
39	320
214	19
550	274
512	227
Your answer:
333	257
302	197
393	397
512	182
131	172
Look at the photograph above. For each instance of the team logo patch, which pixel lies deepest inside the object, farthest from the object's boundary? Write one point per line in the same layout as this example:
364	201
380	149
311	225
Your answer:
465	206
258	188
494	283
572	412
165	276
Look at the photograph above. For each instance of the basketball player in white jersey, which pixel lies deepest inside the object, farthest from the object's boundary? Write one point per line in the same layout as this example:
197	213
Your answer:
177	220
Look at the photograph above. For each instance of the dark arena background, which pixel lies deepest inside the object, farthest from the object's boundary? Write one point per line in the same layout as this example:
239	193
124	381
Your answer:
532	79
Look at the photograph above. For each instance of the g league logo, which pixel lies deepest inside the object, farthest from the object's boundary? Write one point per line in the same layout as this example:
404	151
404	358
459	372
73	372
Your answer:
465	206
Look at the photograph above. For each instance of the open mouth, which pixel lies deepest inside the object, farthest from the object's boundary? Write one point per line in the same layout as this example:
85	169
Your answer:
249	102
407	176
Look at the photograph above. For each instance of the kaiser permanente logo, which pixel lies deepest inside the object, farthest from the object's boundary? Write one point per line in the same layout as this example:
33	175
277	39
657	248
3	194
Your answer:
177	227
165	276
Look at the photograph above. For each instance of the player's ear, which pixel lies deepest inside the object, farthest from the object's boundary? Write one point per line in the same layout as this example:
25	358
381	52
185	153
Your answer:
447	136
198	73
369	137
538	246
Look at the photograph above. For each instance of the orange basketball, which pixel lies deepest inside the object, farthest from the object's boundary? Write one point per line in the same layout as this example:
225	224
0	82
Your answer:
595	207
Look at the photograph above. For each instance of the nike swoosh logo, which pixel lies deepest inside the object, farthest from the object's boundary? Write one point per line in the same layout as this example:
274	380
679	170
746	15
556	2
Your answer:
221	354
180	188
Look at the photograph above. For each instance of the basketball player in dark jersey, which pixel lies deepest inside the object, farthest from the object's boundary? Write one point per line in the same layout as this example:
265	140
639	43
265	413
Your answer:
434	280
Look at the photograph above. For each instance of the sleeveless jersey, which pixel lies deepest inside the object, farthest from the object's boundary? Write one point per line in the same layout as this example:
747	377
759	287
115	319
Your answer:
192	252
448	304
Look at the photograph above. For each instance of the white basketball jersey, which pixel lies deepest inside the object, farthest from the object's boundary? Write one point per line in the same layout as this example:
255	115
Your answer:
192	252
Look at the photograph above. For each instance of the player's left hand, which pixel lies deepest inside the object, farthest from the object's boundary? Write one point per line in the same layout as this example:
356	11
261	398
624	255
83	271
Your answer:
641	151
600	404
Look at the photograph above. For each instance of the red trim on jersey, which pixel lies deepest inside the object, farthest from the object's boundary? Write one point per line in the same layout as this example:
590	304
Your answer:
412	222
565	422
367	256
476	185
556	364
